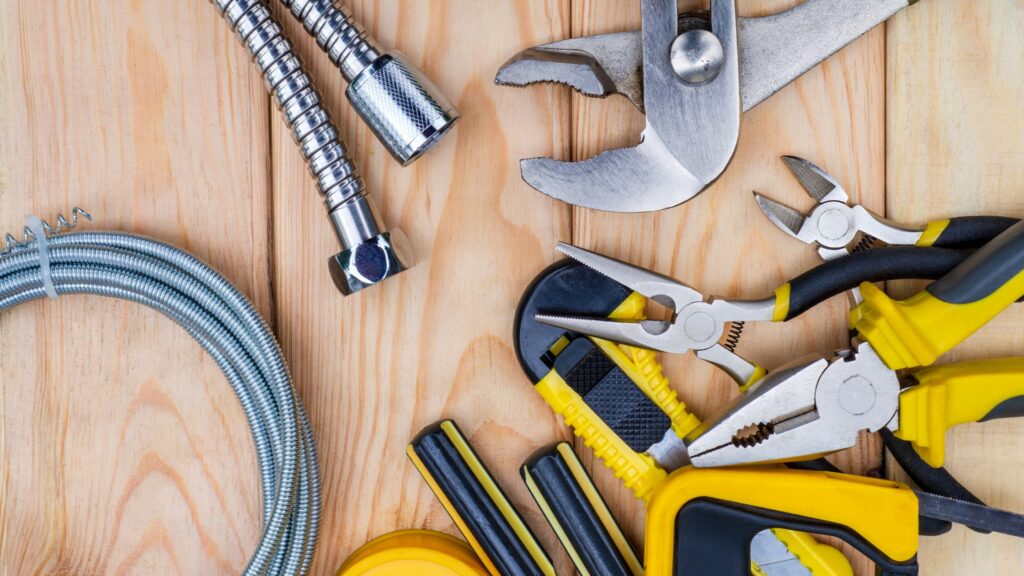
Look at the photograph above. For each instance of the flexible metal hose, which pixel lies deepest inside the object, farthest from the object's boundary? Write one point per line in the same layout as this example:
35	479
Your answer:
227	326
369	255
321	145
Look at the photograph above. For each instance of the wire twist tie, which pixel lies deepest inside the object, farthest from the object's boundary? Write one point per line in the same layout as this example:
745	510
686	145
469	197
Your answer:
35	224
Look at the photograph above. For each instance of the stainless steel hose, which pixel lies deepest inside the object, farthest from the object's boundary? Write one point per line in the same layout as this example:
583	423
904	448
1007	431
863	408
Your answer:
397	101
227	326
369	255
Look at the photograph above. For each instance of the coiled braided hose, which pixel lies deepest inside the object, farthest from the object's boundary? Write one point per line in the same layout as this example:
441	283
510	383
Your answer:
226	325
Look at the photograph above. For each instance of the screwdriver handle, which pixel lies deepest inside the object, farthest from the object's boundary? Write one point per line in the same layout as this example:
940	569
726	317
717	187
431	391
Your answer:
916	331
964	232
578	514
477	503
946	396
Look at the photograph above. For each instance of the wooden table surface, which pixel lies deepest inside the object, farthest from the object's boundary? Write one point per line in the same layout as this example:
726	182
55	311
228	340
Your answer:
125	452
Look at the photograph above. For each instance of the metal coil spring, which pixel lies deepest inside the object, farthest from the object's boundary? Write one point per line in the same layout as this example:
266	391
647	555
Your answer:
865	244
732	338
294	94
341	37
28	236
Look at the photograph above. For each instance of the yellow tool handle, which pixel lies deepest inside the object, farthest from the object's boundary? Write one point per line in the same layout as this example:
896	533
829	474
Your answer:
643	368
946	396
916	331
638	472
880	513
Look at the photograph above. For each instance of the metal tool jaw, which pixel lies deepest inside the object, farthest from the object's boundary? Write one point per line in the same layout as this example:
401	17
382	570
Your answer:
834	224
696	323
692	103
802	411
693	75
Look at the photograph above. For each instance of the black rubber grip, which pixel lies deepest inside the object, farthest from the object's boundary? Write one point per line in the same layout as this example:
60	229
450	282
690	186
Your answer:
612	395
972	231
565	285
985	271
713	538
1009	408
572	512
473	505
935	480
879	265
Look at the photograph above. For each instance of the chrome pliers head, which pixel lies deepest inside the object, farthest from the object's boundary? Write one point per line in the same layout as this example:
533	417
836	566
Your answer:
839	228
692	76
817	406
803	410
834	225
697	323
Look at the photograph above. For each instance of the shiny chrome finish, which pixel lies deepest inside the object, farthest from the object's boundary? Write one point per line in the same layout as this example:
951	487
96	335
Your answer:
773	558
694	120
697	324
802	410
317	136
670	452
691	131
697	57
402	107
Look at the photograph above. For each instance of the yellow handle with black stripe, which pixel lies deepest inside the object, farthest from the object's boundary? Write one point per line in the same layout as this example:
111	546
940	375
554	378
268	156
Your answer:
916	331
946	396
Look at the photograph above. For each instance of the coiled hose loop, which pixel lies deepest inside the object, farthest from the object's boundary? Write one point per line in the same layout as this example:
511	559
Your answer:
226	325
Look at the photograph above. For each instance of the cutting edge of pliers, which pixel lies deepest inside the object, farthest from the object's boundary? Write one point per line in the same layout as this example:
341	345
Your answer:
808	408
835	225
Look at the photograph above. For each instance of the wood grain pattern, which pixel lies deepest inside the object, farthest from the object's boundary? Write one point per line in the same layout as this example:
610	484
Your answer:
376	368
955	136
124	451
719	242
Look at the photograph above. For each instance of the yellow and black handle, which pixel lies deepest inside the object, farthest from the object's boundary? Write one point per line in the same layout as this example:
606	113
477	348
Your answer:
578	514
883	264
702	521
953	394
964	232
615	398
477	504
916	331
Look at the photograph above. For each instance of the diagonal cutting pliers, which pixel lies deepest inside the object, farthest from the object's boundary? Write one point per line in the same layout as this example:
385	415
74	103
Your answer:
838	227
819	405
692	76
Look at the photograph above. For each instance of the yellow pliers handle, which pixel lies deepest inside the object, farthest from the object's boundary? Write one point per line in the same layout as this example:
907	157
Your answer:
916	331
643	368
946	396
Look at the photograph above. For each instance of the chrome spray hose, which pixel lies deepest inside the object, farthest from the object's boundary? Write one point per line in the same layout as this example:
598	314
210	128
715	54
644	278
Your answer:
369	255
399	103
226	325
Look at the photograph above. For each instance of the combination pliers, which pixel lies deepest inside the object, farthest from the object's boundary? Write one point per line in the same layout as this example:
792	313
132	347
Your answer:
819	405
692	75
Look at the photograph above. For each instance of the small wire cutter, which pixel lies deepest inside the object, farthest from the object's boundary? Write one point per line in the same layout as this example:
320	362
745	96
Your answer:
711	327
839	228
692	76
819	405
